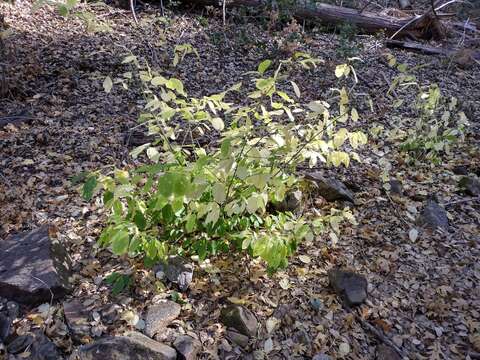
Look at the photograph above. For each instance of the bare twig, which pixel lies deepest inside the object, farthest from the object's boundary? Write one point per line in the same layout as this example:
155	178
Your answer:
462	201
132	8
366	325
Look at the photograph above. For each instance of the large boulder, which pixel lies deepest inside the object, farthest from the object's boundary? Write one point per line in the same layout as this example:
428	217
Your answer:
330	189
131	346
240	319
351	286
33	268
160	315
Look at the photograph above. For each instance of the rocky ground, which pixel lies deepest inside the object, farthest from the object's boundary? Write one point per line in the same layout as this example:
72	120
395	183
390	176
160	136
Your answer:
416	257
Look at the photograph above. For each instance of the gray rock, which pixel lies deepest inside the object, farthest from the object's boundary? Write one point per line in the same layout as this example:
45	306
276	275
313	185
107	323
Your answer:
187	347
5	325
44	349
351	286
396	187
470	185
385	352
330	189
460	170
321	356
159	316
240	319
316	304
178	270
237	338
433	216
77	319
20	343
13	309
33	267
131	346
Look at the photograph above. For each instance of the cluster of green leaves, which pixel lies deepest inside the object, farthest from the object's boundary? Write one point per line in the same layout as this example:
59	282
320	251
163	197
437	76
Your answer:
64	8
346	36
190	199
437	123
67	8
119	282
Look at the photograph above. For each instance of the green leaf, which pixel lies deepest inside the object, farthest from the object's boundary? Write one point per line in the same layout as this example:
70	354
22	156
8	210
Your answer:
340	137
217	124
263	66
120	241
191	223
138	150
214	214
219	193
153	154
158	80
129	59
140	220
296	88
89	188
354	114
107	84
175	84
225	148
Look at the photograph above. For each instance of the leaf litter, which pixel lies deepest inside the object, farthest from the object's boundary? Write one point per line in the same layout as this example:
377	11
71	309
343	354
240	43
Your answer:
72	118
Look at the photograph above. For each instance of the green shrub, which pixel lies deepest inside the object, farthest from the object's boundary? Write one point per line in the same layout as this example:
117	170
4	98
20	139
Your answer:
190	199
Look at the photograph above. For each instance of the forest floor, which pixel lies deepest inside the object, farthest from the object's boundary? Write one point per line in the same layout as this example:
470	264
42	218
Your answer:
424	292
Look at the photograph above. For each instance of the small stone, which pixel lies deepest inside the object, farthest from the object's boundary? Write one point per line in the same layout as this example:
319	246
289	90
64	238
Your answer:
5	324
33	267
13	309
321	356
396	187
240	319
187	347
460	170
351	286
131	346
237	338
385	352
160	315
316	304
44	349
470	185
178	270
77	319
330	189
433	216
19	344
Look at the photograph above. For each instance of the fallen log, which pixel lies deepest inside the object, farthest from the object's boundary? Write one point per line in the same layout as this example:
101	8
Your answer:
424	27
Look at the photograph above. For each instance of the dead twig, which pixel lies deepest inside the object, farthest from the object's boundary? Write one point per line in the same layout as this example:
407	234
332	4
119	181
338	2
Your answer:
463	201
380	336
132	8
